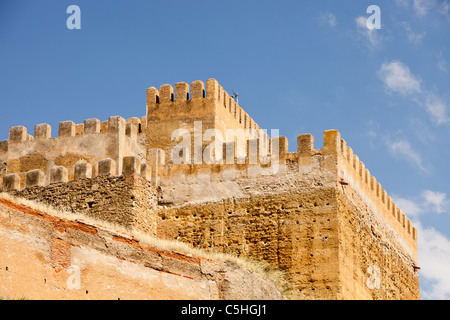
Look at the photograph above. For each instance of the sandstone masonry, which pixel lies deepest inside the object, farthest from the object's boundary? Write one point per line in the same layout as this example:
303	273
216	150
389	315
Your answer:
318	214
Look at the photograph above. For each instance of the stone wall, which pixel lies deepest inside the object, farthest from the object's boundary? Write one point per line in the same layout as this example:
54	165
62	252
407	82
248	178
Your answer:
323	233
129	201
46	257
371	264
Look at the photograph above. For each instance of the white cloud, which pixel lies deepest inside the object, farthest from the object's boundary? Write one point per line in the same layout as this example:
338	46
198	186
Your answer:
428	202
328	18
434	261
402	149
409	207
437	108
398	78
370	35
436	200
433	247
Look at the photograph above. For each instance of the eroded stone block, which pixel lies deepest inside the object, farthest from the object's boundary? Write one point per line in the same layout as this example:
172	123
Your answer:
82	170
131	165
11	182
35	178
59	174
107	166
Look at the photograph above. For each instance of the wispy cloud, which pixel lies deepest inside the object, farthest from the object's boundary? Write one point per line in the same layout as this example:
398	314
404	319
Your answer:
436	201
434	260
398	78
328	19
402	149
371	36
409	207
397	145
437	108
428	202
414	38
422	7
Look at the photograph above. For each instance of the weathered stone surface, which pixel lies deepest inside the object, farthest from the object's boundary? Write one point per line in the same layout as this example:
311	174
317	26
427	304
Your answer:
11	182
131	165
35	178
318	214
59	174
106	167
56	258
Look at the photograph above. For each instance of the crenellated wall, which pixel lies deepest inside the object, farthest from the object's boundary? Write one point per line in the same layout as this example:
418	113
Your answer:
89	142
317	213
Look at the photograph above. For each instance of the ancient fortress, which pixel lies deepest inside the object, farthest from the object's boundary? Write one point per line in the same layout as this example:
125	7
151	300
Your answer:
316	213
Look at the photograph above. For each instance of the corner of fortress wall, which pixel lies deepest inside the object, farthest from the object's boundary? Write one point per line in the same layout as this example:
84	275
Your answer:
352	173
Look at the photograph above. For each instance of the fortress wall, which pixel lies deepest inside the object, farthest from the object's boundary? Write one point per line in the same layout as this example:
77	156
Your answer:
323	232
296	231
128	200
46	257
95	143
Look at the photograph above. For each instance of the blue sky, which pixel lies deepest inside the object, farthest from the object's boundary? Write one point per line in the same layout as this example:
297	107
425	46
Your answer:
299	66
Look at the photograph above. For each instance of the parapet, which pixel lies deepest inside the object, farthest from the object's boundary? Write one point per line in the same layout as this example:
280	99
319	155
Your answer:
82	170
68	129
212	92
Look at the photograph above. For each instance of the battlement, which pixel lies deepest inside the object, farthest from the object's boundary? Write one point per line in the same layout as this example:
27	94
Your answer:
91	142
67	129
182	107
212	93
82	170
